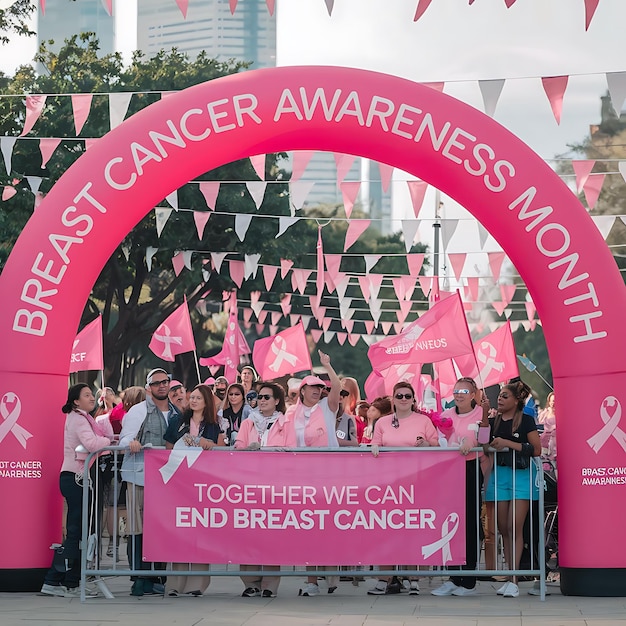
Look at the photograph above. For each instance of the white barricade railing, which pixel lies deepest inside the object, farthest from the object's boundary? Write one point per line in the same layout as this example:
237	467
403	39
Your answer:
96	563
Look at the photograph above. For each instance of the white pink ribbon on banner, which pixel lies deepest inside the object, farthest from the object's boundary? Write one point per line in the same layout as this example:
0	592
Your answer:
279	348
10	409
448	530
611	414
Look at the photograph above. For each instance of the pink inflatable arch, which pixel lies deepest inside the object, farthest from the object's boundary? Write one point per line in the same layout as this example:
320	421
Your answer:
541	225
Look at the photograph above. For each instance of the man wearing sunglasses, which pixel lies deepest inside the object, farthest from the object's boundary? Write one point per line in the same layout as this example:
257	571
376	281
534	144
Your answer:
144	426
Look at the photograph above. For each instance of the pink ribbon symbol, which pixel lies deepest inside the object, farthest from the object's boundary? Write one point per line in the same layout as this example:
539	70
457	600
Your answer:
279	348
443	544
486	355
167	341
10	409
611	413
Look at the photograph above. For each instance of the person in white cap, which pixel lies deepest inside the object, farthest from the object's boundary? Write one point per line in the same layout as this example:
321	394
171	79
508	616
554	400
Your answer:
144	425
310	423
293	390
178	395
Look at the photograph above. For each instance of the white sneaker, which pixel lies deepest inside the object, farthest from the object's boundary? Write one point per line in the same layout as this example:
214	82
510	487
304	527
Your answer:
378	589
502	589
74	592
512	591
447	589
53	590
464	591
310	589
414	588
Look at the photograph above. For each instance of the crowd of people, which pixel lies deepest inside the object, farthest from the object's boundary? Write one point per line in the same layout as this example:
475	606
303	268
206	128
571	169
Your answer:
323	411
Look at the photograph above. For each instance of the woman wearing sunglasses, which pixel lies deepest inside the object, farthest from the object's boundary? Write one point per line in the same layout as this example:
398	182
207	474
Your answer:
470	411
254	434
403	428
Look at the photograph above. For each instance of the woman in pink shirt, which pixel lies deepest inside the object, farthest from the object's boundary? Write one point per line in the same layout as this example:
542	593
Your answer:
403	428
470	412
81	429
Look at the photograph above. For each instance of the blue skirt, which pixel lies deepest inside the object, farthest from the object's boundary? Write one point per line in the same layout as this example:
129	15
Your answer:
512	484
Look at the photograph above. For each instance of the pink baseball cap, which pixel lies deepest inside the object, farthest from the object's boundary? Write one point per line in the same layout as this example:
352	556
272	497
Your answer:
209	381
174	384
313	381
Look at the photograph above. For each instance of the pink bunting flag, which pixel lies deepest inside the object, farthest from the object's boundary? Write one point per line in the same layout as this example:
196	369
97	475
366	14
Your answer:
47	147
210	190
81	105
34	107
509	3
269	274
237	270
42	5
425	283
592	189
349	191
555	86
285	353
355	229
108	5
457	260
174	335
258	163
417	191
386	173
87	353
341	338
365	287
590	9
178	263
183	5
333	263
582	169
472	288
344	164
437	86
299	162
398	287
507	292
285	304
495	263
415	262
285	266
422	5
405	309
201	218
233	6
498	307
316	334
270	6
409	286
301	276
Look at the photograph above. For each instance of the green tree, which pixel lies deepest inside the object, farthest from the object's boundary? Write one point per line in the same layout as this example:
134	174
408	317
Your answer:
14	19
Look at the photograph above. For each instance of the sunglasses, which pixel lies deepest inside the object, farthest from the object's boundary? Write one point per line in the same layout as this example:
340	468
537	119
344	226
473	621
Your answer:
405	396
344	394
158	383
265	396
462	392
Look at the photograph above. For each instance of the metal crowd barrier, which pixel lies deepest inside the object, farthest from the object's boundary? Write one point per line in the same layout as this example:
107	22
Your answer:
96	567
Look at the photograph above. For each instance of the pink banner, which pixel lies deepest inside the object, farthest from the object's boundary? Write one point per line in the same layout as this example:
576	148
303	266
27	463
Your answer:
407	503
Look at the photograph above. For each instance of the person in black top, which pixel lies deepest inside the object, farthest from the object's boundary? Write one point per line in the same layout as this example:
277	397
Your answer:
511	484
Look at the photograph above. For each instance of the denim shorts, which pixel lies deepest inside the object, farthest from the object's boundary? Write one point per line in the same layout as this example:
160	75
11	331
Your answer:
512	484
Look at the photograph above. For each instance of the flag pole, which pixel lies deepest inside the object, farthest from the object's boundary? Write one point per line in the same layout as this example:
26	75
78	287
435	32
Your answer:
195	356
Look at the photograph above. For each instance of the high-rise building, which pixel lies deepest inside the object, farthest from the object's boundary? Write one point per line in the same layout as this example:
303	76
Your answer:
247	35
63	19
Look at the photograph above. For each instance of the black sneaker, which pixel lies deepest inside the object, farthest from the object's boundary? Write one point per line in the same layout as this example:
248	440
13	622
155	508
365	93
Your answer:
250	592
268	593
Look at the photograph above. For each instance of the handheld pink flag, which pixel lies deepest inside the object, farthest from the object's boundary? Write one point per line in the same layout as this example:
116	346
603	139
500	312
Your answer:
440	333
285	353
496	358
87	348
174	336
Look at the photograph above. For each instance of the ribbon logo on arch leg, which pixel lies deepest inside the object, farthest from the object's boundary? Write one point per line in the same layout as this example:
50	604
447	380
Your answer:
448	530
611	414
10	409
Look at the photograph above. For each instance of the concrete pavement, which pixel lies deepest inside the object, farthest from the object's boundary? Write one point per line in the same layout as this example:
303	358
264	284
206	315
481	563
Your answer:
348	606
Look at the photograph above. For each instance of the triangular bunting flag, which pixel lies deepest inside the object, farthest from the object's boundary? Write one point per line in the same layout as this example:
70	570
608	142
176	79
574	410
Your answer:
161	217
150	252
349	191
269	274
258	163
344	165
604	224
495	264
284	223
209	190
415	262
6	146
329	6
201	218
386	173
491	90
592	189
590	9
81	105
417	191
34	107
298	192
118	106
237	271
172	198
217	258
409	230
370	261
242	223
582	169
555	86
299	162
616	82
251	265
422	5
457	261
448	228
285	266
183	5
257	190
355	229
178	263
